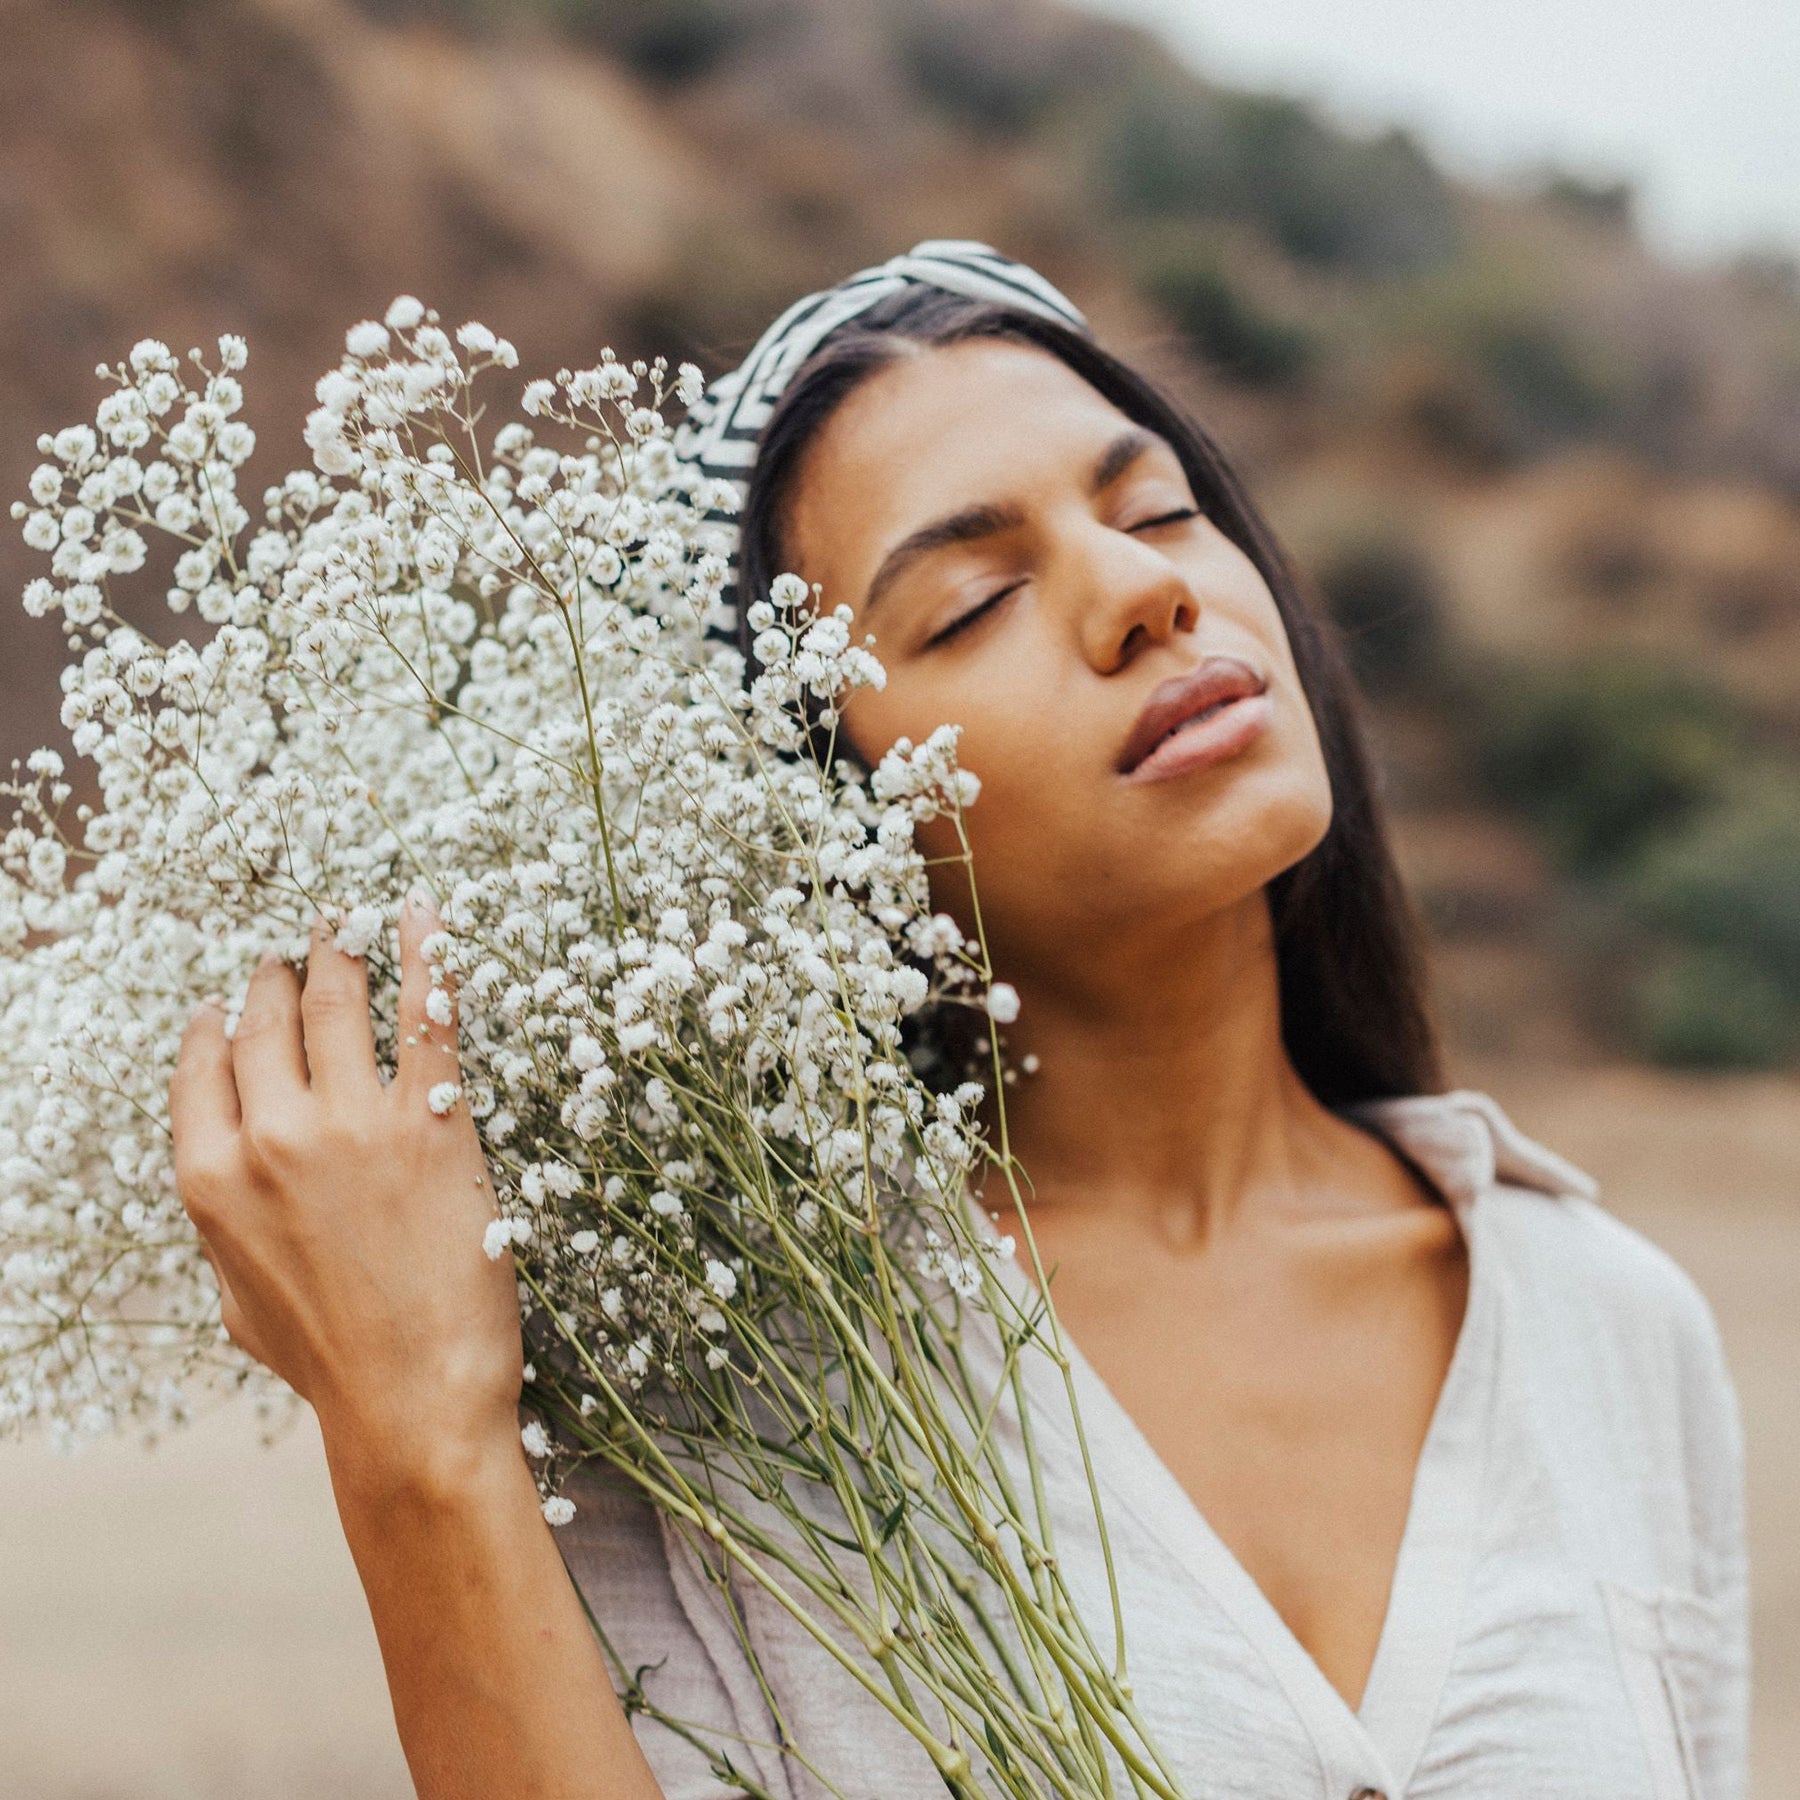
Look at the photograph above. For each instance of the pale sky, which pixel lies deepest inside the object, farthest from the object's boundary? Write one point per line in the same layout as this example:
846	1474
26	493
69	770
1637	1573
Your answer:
1698	101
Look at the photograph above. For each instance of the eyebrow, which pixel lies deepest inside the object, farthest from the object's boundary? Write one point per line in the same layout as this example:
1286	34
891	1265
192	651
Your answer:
989	517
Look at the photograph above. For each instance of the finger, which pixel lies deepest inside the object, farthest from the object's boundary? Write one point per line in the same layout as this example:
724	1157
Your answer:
203	1096
267	1056
334	1013
427	1054
204	1117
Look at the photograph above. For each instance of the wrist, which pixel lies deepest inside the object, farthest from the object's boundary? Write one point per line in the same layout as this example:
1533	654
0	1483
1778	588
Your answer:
423	1470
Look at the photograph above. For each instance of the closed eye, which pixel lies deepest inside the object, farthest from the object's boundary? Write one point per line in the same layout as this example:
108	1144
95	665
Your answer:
971	615
975	612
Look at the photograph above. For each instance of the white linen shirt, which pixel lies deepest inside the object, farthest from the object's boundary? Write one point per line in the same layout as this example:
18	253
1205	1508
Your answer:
1568	1615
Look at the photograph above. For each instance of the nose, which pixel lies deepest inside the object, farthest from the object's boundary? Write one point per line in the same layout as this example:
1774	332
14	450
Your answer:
1129	596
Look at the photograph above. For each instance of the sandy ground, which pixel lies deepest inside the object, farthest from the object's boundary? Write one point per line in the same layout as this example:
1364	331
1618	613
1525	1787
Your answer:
186	1625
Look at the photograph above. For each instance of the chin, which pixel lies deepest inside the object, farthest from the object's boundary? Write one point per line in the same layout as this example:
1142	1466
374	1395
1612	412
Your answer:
1305	821
1268	822
1260	847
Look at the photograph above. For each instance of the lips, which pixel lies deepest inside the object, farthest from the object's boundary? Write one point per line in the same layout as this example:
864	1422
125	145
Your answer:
1181	699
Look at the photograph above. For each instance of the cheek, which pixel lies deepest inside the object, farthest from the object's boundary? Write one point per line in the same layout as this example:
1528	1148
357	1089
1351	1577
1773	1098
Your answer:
1035	805
1004	706
1027	856
1038	832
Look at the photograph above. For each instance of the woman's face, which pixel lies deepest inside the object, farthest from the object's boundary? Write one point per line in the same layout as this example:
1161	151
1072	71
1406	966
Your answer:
1073	582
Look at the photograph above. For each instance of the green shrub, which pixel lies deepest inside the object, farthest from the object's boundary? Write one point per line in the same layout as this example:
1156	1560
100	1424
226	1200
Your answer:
1225	327
1552	389
973	66
1713	1007
1164	157
1544	366
1186	151
1683	839
1605	756
667	41
1386	601
1732	880
1610	205
1725	897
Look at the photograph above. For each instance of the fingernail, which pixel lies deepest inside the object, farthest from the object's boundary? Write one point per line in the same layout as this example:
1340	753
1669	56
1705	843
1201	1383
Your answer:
417	898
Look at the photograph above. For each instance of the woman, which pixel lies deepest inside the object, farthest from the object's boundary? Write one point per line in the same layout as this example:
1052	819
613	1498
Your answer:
1422	1473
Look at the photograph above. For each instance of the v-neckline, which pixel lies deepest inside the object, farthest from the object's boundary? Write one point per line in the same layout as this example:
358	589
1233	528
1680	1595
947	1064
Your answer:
1386	1733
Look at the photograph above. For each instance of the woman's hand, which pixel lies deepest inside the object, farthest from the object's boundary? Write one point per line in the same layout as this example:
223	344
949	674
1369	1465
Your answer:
345	1220
344	1217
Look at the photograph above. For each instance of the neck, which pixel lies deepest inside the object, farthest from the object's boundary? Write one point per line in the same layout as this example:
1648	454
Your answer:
1162	1086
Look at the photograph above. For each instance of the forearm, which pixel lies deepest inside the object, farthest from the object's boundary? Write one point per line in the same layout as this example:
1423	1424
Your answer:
498	1685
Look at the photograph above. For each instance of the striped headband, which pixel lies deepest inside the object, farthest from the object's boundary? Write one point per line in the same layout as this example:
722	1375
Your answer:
720	433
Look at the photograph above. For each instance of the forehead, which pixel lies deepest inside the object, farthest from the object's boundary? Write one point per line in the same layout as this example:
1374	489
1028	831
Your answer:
956	424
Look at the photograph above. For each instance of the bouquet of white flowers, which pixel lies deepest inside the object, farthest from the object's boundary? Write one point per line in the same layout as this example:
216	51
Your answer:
688	952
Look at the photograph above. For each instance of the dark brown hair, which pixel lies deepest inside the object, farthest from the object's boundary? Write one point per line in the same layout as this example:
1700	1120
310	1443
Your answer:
1354	1014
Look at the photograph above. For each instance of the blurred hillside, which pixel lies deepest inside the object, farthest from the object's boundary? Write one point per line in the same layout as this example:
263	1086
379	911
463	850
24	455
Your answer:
1551	485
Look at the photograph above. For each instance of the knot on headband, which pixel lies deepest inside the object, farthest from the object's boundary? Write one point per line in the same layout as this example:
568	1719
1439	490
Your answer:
720	433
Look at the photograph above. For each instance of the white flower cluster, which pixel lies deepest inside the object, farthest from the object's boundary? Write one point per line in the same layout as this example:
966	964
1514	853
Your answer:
683	949
690	955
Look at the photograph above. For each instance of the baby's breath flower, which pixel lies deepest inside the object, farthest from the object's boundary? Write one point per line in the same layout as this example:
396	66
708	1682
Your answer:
685	956
361	930
366	339
497	1239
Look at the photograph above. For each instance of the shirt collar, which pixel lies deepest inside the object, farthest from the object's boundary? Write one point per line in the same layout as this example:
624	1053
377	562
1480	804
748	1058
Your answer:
1465	1142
